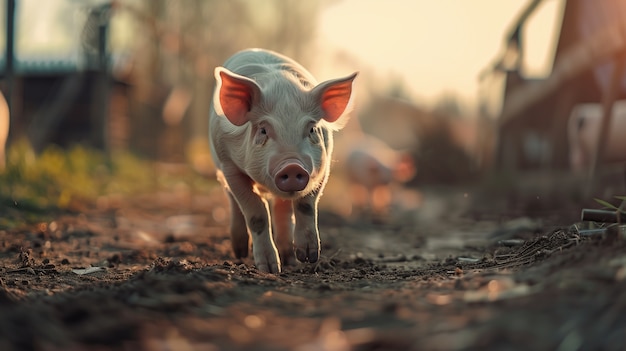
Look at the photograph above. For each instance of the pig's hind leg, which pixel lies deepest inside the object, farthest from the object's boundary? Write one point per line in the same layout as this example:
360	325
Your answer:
282	217
240	239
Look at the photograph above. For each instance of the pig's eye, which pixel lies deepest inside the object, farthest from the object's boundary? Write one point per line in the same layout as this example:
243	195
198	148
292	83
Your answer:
261	136
313	134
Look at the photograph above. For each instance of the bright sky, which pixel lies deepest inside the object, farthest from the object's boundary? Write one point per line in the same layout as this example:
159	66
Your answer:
438	46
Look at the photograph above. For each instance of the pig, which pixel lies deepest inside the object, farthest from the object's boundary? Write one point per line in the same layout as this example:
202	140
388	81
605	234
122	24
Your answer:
583	132
372	167
4	130
271	135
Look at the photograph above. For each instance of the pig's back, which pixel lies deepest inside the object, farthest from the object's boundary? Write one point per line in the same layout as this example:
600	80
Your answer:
254	63
365	169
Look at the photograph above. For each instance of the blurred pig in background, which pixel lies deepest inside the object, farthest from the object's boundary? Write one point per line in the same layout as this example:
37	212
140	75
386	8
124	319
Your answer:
373	170
390	156
583	132
443	145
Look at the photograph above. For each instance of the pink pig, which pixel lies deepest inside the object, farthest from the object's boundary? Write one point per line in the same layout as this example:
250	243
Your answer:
271	138
583	133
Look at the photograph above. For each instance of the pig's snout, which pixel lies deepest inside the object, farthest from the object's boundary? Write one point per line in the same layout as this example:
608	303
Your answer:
291	177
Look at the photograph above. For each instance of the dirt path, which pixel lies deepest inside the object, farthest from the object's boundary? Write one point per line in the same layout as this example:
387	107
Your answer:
155	273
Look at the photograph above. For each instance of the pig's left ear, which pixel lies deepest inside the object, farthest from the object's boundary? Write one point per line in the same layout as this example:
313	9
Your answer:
234	96
335	97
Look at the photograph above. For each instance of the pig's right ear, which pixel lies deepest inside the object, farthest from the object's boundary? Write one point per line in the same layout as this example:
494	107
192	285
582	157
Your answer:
234	96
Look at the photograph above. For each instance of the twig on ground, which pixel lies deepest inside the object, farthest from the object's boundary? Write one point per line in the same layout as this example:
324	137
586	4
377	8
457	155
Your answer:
602	216
329	259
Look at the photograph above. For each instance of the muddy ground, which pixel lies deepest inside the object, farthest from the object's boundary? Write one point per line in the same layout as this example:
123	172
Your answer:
155	272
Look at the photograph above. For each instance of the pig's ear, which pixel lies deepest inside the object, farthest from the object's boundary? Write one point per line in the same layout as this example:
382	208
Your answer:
234	95
335	97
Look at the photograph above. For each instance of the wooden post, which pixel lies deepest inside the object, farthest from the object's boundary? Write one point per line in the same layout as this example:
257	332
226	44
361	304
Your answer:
9	66
608	98
101	93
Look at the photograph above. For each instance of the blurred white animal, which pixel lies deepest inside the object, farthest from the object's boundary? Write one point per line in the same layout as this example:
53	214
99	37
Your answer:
372	167
583	128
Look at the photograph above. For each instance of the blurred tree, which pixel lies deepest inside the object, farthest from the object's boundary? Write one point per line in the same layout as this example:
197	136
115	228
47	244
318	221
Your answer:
178	43
398	89
448	105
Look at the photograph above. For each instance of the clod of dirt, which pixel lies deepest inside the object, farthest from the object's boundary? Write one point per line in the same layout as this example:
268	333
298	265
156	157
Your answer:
25	258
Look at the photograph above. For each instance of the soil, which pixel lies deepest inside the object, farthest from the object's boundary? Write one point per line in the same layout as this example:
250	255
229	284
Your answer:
156	272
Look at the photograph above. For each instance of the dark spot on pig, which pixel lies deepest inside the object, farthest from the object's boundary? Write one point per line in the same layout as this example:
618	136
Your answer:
305	208
257	225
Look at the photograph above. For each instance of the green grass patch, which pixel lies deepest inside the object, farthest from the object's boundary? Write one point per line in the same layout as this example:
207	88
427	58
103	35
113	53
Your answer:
35	186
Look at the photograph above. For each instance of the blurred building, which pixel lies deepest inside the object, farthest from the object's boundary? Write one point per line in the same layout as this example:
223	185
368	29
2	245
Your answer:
59	80
133	74
585	60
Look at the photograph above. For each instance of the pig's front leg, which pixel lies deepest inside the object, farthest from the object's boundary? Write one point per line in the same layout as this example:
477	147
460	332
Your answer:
256	215
306	235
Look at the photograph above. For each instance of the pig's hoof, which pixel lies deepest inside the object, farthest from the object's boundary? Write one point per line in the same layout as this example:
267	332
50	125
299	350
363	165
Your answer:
288	259
287	256
240	252
240	243
307	255
268	267
266	258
